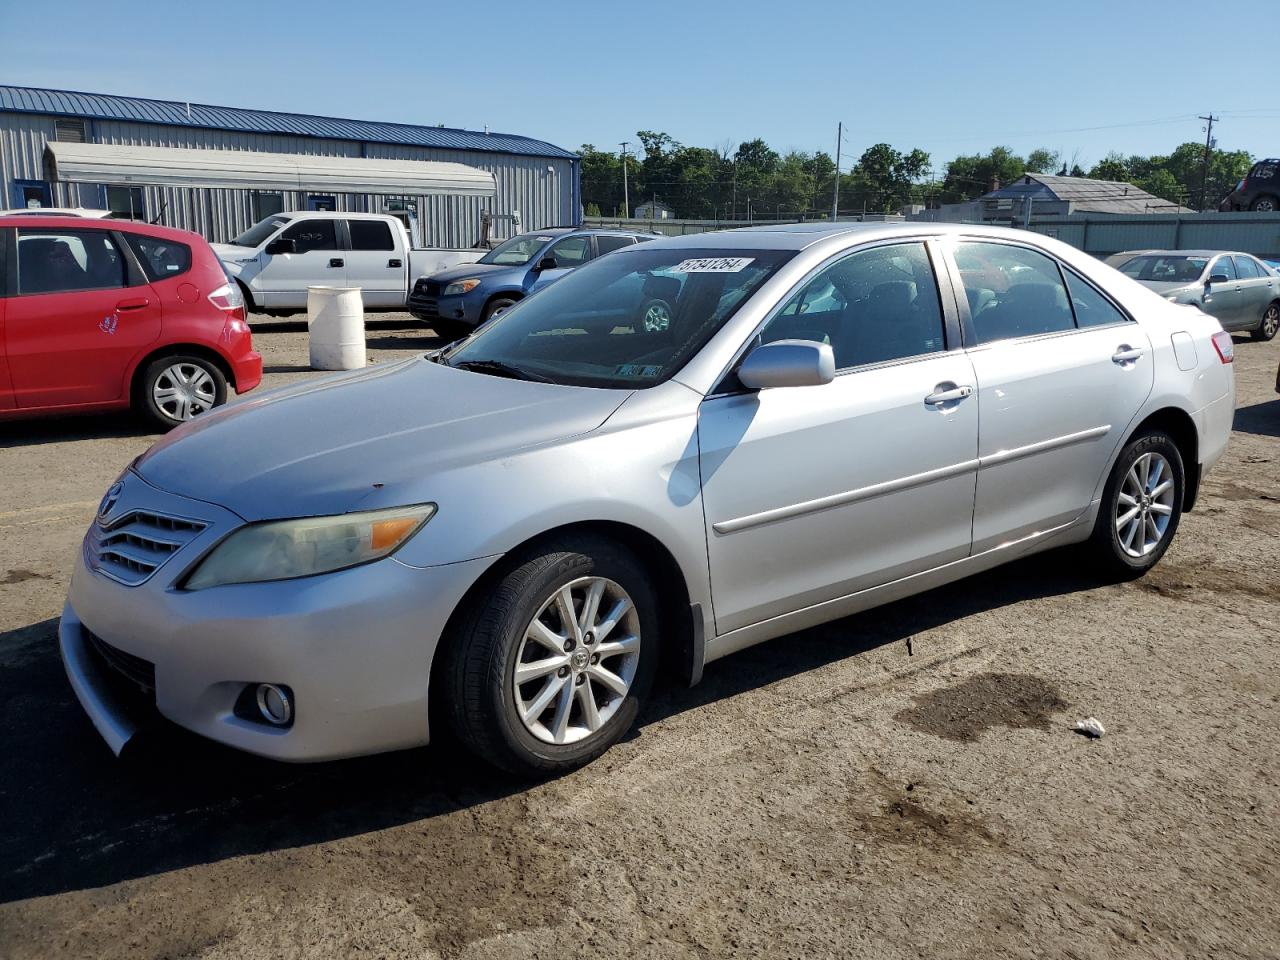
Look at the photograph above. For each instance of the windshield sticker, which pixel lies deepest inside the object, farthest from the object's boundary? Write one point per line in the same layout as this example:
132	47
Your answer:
712	265
640	370
544	239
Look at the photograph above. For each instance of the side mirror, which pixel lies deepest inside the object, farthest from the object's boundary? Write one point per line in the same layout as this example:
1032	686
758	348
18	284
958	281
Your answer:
282	245
547	263
1219	278
788	363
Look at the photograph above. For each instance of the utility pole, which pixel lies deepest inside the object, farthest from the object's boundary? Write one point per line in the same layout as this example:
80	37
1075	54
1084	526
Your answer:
626	196
835	200
1208	145
734	215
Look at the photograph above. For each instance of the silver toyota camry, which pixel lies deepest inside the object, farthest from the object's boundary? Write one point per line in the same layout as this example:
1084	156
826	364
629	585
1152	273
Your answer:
677	451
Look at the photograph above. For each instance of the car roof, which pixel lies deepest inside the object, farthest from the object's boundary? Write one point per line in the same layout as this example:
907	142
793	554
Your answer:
56	222
798	236
85	212
1189	253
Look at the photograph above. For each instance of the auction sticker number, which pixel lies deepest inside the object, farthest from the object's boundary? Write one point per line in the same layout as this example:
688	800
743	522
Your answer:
712	265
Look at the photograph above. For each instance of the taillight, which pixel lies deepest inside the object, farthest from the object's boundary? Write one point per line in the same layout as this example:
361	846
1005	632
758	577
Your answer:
229	300
1225	346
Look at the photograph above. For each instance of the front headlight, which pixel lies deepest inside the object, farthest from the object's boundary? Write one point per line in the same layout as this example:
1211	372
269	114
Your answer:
284	549
459	287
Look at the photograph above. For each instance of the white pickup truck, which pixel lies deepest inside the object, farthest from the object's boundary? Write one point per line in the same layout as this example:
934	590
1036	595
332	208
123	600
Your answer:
276	259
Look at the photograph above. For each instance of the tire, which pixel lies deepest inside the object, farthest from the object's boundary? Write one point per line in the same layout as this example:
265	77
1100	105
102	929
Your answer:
194	383
501	721
1264	204
1269	324
1125	551
496	304
449	330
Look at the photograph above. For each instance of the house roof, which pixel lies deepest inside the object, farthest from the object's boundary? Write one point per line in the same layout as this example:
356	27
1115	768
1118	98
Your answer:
1088	196
99	106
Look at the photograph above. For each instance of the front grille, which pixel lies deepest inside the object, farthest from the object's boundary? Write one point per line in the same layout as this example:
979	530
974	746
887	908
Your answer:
141	673
132	548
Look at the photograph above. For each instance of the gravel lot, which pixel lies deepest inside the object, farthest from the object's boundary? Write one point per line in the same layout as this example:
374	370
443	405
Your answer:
898	784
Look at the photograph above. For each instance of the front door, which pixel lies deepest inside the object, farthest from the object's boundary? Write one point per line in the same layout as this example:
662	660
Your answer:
75	324
1061	374
813	493
317	260
374	264
1223	299
569	253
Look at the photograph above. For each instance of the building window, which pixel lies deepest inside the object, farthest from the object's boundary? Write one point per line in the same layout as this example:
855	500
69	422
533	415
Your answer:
126	203
321	202
266	204
69	131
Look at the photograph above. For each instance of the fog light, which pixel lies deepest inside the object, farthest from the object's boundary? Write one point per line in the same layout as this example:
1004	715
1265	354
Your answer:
274	704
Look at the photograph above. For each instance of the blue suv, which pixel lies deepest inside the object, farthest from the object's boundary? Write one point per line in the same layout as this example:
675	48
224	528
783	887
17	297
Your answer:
456	301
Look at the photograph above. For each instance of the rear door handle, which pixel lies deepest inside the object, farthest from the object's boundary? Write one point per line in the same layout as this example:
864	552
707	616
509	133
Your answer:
336	262
1127	354
395	263
949	395
135	304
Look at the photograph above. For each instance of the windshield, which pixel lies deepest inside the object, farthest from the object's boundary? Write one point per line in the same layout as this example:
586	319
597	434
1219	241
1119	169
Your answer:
629	320
1165	269
259	232
517	251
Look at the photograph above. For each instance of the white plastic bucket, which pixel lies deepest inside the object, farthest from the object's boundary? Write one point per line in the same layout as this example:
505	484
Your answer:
335	323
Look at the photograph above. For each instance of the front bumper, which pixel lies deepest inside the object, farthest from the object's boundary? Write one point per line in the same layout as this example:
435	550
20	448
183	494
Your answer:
354	646
427	304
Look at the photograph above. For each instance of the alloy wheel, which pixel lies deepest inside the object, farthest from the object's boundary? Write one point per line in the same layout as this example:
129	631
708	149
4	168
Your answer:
1144	505
184	390
577	660
1271	322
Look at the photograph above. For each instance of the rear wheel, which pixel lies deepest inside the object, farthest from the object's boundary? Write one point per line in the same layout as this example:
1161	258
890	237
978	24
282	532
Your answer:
1270	323
175	389
1141	506
551	667
1264	204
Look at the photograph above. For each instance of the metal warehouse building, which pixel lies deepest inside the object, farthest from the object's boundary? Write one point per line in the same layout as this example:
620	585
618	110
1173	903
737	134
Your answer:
537	179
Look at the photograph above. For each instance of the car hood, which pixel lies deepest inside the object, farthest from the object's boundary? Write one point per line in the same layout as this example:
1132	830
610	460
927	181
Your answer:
364	440
485	270
232	255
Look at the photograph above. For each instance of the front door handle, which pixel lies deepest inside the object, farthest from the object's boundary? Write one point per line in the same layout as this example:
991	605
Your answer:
1126	354
394	263
946	393
135	304
336	262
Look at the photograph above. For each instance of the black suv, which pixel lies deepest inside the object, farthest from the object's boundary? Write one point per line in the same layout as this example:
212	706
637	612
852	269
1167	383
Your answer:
1260	190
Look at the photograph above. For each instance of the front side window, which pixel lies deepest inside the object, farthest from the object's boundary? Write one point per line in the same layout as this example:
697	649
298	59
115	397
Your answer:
311	235
370	235
1012	291
1223	267
517	251
629	320
256	235
871	306
63	261
1246	269
571	252
160	258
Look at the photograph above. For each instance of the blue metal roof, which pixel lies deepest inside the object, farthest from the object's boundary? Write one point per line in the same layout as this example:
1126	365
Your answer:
101	106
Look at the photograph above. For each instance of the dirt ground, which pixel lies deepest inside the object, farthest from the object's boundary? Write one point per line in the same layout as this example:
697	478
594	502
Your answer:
904	783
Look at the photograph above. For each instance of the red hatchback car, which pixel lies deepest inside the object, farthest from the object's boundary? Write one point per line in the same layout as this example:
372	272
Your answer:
108	314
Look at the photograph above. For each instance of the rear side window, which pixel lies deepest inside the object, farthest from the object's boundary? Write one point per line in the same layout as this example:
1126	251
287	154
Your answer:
160	258
1266	170
313	235
63	261
370	235
1246	268
1012	291
609	244
1092	309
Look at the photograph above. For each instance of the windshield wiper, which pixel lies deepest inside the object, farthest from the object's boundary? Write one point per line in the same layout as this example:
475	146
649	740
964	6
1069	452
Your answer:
501	369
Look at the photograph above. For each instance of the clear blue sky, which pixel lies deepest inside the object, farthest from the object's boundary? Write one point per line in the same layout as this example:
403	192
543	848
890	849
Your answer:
947	77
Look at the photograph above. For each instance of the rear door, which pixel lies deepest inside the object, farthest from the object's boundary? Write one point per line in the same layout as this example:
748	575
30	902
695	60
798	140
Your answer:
375	262
82	312
1061	373
317	260
1257	289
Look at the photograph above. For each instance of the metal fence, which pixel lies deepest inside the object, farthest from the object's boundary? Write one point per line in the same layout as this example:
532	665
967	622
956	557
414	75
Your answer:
1105	234
678	228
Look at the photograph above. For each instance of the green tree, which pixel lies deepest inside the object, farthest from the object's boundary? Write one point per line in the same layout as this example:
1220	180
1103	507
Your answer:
971	176
1111	167
1042	160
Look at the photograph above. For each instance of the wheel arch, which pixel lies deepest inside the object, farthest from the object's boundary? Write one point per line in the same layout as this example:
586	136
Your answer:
1177	423
681	647
250	305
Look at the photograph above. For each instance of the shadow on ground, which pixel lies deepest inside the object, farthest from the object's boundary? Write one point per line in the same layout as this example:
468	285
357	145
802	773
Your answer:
76	817
1261	419
99	426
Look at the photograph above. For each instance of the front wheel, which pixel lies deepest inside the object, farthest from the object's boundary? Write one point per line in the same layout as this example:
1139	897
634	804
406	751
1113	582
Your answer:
1141	506
495	306
1270	323
176	388
551	667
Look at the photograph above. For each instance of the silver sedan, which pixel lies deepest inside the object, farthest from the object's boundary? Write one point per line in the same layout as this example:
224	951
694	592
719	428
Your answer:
502	540
1240	291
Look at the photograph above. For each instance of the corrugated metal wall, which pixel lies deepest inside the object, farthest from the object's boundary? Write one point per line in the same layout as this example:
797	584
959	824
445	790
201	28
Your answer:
1105	234
540	188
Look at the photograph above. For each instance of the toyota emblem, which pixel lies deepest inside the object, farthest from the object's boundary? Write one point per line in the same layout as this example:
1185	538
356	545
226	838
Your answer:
109	499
